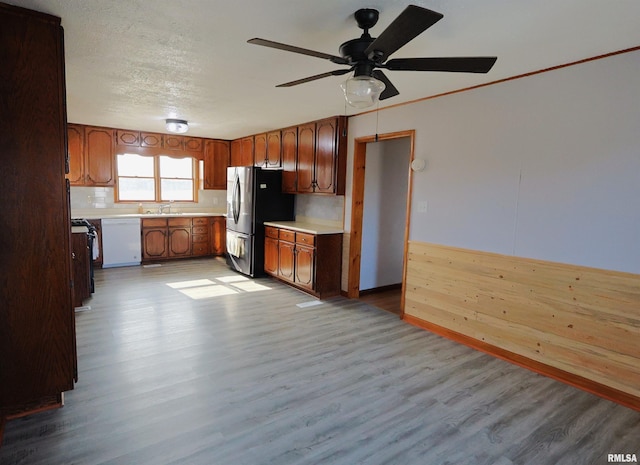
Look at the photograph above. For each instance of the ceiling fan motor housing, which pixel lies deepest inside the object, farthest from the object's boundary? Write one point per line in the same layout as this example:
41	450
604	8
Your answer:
366	18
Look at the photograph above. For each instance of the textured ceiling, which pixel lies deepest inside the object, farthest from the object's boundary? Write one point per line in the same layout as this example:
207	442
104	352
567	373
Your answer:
133	63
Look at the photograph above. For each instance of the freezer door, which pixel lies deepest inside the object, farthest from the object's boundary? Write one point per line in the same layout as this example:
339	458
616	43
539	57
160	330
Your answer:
240	252
240	199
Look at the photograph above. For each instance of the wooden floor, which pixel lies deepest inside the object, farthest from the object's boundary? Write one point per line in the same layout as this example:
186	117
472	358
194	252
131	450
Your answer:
190	364
388	300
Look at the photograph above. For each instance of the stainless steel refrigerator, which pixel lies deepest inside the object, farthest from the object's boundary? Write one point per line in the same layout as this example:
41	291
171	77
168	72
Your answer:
254	196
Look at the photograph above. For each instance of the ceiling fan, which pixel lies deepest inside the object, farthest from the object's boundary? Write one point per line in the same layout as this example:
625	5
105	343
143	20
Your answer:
365	55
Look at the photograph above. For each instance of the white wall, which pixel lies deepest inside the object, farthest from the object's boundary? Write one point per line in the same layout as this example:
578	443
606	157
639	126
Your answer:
384	215
546	166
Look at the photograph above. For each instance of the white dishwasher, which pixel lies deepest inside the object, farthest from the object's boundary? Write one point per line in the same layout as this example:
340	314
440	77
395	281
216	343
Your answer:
120	242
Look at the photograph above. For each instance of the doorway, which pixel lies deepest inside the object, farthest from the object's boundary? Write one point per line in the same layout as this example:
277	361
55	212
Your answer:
380	269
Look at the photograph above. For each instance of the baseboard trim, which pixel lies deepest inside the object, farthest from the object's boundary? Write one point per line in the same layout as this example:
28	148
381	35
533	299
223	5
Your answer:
375	290
579	382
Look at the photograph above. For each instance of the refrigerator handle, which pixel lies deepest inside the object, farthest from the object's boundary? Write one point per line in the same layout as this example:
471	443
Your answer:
236	199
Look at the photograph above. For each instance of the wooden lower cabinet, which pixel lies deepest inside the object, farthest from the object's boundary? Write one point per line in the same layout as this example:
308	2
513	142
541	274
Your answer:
80	262
179	235
217	234
154	242
305	266
180	241
155	239
200	236
271	255
183	236
286	260
308	261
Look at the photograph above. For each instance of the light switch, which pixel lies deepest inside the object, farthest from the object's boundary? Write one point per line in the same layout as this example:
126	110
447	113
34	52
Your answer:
422	206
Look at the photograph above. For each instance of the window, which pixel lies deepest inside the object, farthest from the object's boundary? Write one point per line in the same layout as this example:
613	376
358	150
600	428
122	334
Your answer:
155	178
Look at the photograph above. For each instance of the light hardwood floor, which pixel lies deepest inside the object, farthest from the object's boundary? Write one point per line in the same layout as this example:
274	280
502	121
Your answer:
388	300
189	363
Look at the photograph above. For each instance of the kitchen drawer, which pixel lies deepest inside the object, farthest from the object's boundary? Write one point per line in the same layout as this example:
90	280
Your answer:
180	222
304	238
154	222
201	221
286	235
199	238
200	229
200	248
271	232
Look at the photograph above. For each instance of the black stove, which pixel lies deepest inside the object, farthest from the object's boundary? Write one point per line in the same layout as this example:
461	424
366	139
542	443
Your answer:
91	236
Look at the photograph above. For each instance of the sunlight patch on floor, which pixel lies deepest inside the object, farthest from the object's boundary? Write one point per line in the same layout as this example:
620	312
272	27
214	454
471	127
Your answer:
232	278
205	292
310	303
215	287
251	286
192	283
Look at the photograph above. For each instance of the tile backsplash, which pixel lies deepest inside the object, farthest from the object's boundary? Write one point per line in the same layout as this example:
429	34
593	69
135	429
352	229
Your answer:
319	208
90	198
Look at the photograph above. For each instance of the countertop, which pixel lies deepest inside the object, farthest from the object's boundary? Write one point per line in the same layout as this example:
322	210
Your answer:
305	226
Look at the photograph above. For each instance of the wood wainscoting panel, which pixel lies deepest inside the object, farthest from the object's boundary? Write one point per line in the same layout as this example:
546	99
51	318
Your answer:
582	321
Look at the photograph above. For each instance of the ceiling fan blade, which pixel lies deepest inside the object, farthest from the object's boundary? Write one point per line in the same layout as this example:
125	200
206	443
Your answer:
413	21
389	89
337	72
303	51
450	64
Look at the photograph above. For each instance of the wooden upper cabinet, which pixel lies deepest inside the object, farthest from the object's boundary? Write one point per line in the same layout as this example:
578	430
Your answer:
171	142
289	143
91	155
267	151
247	151
193	144
235	156
150	139
260	150
322	156
99	156
326	156
75	141
216	161
130	138
306	158
274	150
242	152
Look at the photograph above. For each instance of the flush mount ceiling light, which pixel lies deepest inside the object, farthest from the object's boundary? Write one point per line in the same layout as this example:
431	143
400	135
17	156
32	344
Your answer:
178	126
362	91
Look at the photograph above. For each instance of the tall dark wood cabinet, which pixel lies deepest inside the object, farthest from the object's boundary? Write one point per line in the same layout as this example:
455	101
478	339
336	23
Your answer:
37	321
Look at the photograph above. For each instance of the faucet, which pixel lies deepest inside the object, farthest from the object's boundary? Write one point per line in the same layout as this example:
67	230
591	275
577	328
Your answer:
163	206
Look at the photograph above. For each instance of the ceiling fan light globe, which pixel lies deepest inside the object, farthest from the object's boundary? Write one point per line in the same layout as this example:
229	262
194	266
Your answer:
362	91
